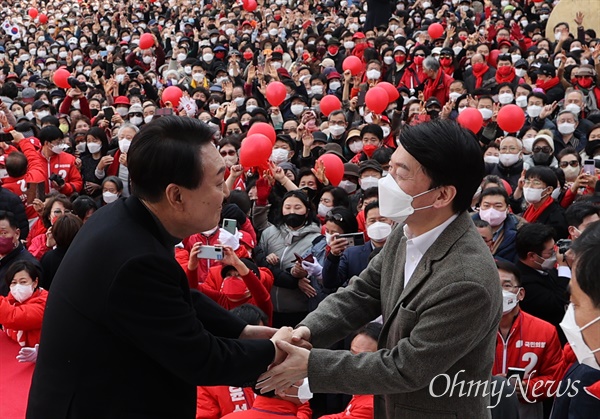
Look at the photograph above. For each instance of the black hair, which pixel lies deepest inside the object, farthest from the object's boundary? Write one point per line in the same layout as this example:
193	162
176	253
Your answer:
100	134
241	199
578	211
50	120
437	146
50	133
511	268
10	217
65	228
532	237
587	269
383	155
251	314
167	151
82	205
481	224
568	151
495	191
21	265
116	180
372	129
343	218
372	330
340	197
16	164
370	206
538	95
543	173
370	193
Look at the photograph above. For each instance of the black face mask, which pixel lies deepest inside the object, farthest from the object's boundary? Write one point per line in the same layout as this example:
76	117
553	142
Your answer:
541	158
200	103
433	114
294	220
94	112
311	193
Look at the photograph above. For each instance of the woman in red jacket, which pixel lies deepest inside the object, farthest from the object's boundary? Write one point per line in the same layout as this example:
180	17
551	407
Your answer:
53	208
21	312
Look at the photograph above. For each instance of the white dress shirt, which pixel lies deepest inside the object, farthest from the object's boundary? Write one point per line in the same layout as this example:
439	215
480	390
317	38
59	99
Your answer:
416	246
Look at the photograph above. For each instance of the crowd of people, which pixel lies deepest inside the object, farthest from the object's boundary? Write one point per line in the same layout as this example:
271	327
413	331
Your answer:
288	237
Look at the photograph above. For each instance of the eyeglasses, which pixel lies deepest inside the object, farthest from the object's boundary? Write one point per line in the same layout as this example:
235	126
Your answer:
228	153
419	55
511	149
61	212
136	114
334	217
233	131
572	163
545	149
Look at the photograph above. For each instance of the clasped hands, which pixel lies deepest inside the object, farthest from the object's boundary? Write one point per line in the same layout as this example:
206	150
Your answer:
292	349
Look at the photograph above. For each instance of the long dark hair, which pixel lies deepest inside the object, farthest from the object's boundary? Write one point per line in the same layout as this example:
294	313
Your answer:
311	216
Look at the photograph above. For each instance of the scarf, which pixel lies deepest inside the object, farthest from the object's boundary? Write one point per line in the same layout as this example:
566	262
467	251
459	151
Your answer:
547	85
531	214
431	85
479	75
505	78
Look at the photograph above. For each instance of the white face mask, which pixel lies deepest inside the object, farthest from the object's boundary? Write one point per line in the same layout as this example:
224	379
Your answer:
388	60
584	354
42	114
454	96
506	98
532	195
323	210
297	109
304	393
356	146
239	101
571	173
534	111
486	113
508	159
335	85
368	182
279	155
124	145
566	128
80	147
57	149
514	58
556	193
379	231
509	301
123	111
337	130
328	237
198	77
394	203
250	108
21	292
520	72
373	74
573	107
493	216
528	144
136	120
349	45
316	89
3	173
109	197
491	159
94	147
147	59
521	101
348	186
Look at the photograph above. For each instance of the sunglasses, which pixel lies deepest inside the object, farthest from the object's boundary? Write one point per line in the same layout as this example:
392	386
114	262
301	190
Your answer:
545	149
572	163
228	153
334	217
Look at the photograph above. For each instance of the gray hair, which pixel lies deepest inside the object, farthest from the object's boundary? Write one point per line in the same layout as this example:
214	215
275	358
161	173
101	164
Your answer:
430	63
569	112
573	90
125	126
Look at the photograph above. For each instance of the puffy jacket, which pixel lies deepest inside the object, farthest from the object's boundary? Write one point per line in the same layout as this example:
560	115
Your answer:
531	344
22	322
284	242
63	164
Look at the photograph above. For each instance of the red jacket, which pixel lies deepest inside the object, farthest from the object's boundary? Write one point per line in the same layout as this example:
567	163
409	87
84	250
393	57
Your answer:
36	173
217	401
63	164
38	246
35	230
22	322
532	344
84	106
271	408
441	90
360	407
412	77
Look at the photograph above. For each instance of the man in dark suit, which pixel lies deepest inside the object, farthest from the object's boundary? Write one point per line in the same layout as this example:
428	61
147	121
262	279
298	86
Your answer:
123	336
435	284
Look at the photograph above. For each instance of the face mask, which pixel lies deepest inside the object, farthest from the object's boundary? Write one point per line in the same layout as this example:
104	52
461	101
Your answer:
77	57
297	109
80	147
491	159
486	113
21	292
368	182
94	147
379	231
337	130
294	220
6	245
119	78
373	74
493	216
304	393
573	333
279	155
348	186
316	89
147	59
3	173
506	98
388	60
509	301
136	120
181	56
42	114
521	101
532	195
57	149
573	107
349	45
124	145
571	173
556	194
566	128
110	48
208	57
276	65
250	108
520	72
187	70
109	197
386	131
508	159
335	85
534	111
528	144
454	96
198	77
79	69
323	210
541	159
394	203
355	147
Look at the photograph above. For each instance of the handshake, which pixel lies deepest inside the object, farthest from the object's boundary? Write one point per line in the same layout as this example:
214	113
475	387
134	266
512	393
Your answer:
292	349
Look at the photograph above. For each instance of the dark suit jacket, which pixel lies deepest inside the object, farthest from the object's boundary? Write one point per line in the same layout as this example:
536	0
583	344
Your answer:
123	337
574	402
19	253
337	271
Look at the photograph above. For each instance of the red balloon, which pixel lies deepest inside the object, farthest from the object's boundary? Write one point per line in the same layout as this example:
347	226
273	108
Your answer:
60	78
435	30
43	19
334	168
255	150
329	104
32	13
471	119
172	94
377	99
390	90
250	5
146	41
511	118
264	129
276	93
354	64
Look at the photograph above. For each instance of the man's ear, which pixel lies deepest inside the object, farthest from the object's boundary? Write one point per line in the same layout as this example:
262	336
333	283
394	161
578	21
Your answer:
174	196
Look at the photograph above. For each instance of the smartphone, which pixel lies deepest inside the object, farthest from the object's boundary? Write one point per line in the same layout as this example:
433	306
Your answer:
361	98
133	75
255	59
5	138
164	112
109	112
512	371
103	53
589	166
354	239
211	252
229	225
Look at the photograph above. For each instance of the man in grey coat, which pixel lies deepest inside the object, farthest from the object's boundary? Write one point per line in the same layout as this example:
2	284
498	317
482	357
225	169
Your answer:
435	284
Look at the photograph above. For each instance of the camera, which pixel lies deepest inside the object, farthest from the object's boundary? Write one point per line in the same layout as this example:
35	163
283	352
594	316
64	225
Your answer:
76	84
58	179
563	245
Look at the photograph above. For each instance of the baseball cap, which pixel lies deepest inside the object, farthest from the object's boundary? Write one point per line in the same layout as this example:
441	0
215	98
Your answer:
547	70
327	62
370	164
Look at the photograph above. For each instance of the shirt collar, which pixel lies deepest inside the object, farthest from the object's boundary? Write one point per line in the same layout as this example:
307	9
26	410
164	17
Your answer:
423	242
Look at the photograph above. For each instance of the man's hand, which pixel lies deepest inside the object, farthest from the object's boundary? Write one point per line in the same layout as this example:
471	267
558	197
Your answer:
301	337
282	335
257	332
283	376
